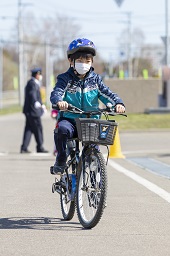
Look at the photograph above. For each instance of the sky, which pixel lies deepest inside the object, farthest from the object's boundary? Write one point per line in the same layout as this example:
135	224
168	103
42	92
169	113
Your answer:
100	21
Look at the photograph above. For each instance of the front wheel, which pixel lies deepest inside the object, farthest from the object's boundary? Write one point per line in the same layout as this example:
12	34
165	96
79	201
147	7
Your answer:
91	188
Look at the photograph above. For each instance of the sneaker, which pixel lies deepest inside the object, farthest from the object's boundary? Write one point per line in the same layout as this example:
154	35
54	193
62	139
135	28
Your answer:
58	167
42	150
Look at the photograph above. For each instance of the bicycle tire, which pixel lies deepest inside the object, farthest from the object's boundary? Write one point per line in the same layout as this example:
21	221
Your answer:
67	209
91	188
67	205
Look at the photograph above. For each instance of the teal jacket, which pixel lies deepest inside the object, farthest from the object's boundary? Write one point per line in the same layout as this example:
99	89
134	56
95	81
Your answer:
84	94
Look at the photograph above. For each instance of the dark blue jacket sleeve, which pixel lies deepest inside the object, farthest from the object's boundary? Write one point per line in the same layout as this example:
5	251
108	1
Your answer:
106	95
59	90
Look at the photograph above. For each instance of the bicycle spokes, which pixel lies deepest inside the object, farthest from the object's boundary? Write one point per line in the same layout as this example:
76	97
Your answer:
90	187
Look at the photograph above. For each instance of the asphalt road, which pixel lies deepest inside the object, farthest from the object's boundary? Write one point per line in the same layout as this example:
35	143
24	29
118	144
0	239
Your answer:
136	221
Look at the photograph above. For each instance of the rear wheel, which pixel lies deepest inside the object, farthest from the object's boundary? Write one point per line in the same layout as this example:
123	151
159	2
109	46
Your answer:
67	207
91	188
66	200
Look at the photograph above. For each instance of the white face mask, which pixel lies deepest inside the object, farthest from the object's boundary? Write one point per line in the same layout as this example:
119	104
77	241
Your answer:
40	78
82	68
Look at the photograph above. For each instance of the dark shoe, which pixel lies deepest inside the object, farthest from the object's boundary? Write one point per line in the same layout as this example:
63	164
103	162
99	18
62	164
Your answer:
42	150
58	167
25	151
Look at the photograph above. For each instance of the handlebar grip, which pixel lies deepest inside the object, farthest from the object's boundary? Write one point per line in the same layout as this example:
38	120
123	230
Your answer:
56	107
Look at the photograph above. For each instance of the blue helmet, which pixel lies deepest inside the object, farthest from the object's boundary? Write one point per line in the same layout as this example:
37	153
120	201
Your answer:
81	44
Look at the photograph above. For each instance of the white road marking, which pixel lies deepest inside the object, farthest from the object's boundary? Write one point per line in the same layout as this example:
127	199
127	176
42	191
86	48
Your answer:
39	154
147	184
145	151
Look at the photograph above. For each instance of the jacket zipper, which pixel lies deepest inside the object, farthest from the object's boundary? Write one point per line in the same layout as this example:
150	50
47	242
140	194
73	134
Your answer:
82	99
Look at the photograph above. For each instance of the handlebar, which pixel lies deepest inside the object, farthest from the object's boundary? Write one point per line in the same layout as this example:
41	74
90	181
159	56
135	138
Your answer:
75	110
70	108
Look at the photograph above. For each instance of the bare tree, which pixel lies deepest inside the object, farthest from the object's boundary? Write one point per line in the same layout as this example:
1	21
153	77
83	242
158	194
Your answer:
45	43
56	32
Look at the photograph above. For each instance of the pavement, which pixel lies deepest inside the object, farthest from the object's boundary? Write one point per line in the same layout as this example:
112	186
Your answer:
136	221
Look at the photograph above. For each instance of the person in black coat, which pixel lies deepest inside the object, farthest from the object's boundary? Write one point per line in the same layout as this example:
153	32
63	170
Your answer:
33	110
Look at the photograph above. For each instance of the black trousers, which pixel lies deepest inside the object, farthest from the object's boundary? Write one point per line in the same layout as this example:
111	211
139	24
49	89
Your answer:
64	131
33	126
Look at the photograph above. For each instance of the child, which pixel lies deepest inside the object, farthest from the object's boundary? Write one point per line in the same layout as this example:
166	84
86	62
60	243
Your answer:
81	87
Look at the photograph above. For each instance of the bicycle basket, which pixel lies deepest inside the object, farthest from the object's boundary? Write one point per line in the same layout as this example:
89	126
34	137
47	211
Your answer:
96	131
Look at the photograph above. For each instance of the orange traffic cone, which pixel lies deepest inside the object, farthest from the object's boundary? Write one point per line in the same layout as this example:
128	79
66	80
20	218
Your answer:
115	149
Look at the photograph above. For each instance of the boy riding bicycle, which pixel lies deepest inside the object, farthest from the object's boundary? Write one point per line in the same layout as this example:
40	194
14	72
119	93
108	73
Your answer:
81	87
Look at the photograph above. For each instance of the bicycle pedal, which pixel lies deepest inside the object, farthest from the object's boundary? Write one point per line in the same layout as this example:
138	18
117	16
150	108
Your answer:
53	187
56	187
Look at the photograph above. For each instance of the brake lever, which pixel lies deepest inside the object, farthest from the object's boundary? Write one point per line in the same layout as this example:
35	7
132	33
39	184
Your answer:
70	107
117	114
74	109
112	112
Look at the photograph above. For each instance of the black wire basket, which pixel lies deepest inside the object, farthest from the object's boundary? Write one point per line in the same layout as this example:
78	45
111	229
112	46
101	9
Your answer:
96	131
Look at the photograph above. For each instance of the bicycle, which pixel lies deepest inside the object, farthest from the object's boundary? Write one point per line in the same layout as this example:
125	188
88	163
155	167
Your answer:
83	186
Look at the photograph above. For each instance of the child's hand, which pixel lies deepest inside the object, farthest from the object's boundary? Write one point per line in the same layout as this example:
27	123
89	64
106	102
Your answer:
63	105
120	108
